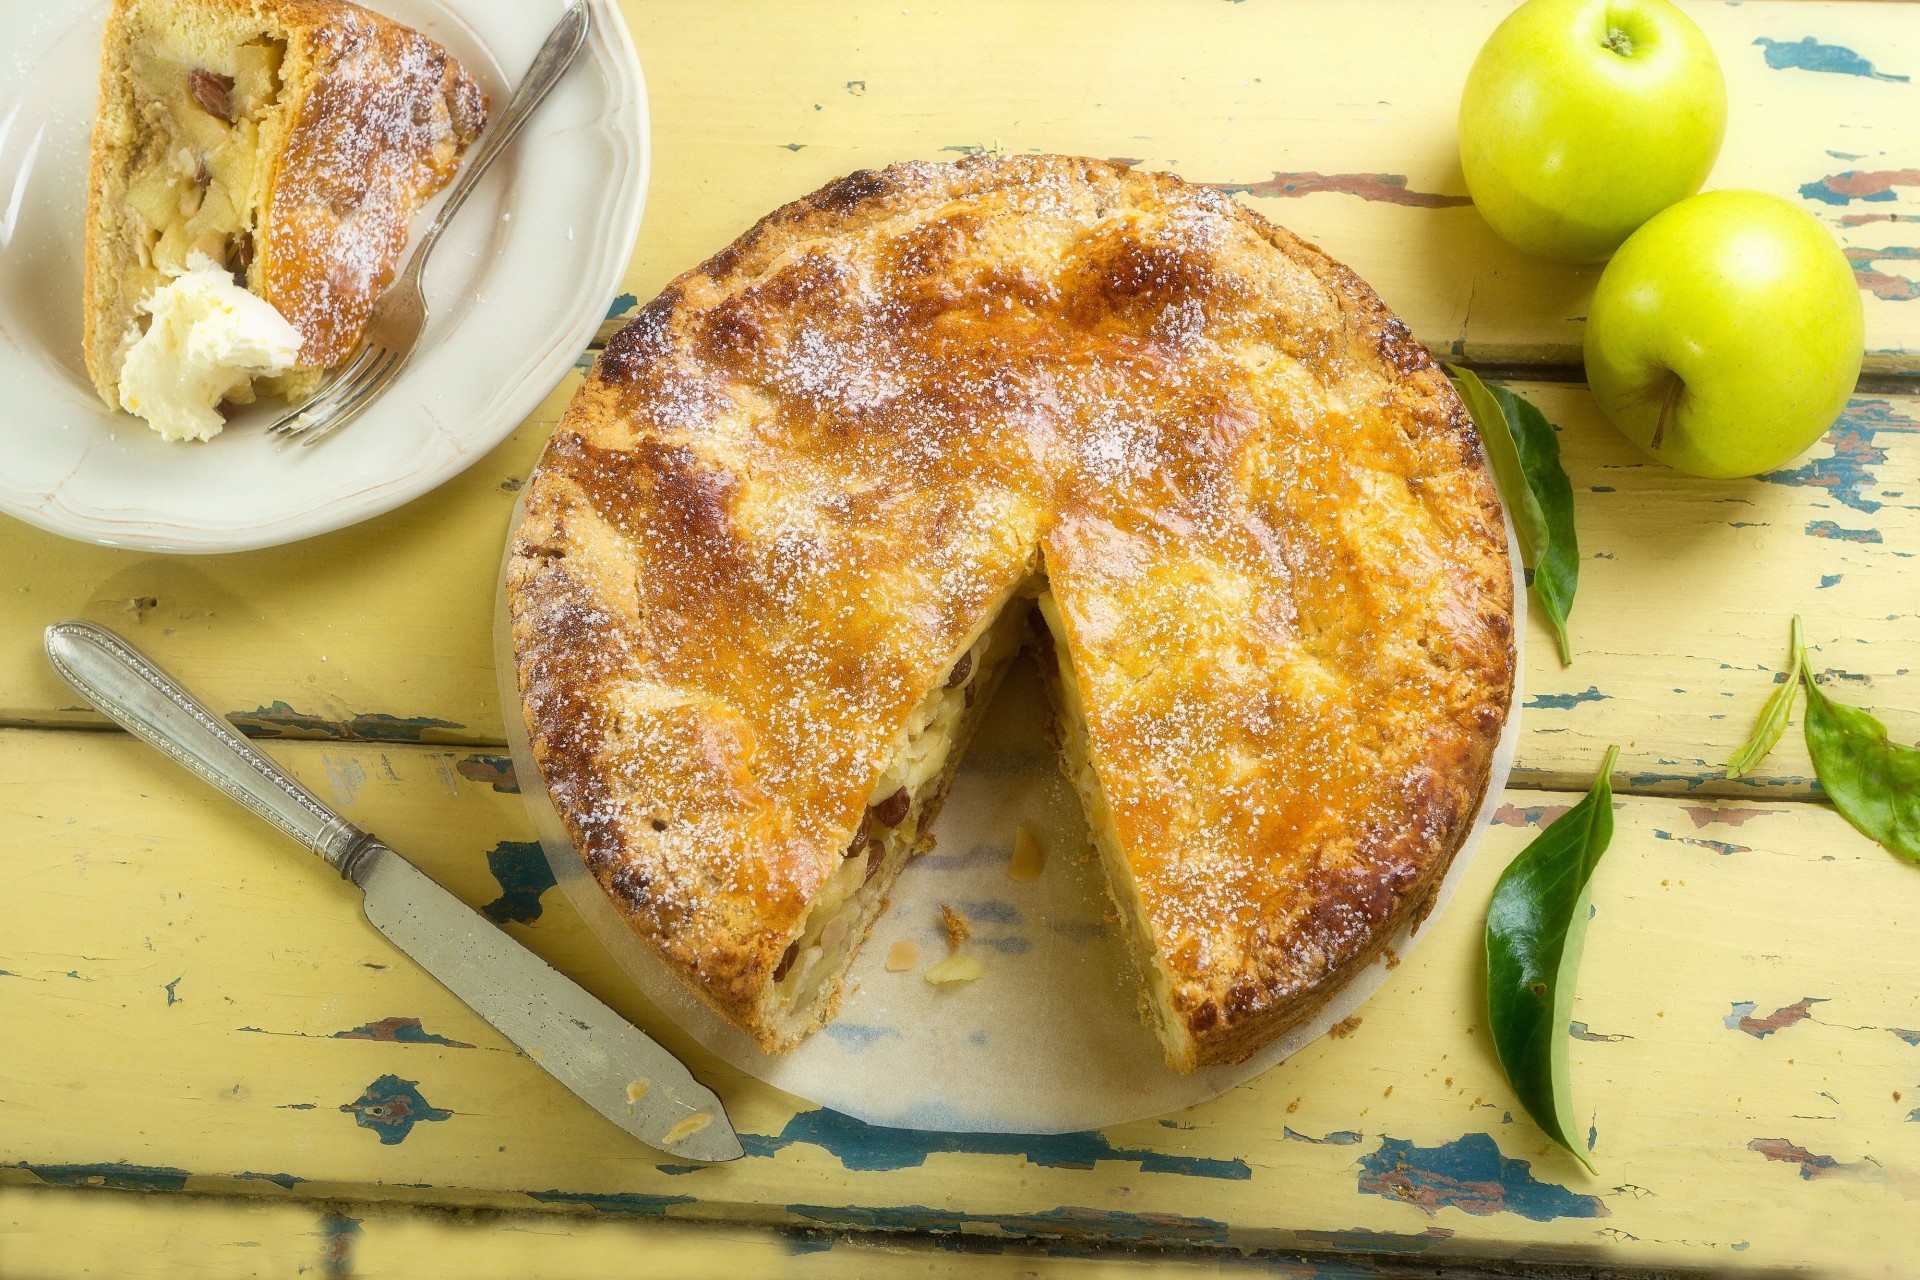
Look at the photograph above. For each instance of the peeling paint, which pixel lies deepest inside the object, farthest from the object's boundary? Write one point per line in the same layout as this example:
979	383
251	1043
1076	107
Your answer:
495	771
391	1107
1828	529
1808	54
1469	1174
1564	701
1811	1166
1532	815
1580	1031
1741	1017
1884	284
338	1232
1384	188
282	721
1848	472
1872	185
1705	815
118	1175
864	1148
1721	847
398	1031
1337	1138
627	1204
622	304
523	872
1071	1222
1367	1240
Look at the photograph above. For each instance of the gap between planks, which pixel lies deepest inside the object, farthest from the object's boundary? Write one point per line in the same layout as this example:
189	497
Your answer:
1705	786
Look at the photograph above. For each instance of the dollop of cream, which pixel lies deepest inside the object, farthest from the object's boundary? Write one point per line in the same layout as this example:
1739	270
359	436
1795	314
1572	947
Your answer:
208	338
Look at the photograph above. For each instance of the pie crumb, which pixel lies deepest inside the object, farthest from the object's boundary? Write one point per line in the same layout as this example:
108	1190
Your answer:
1029	855
958	931
956	968
688	1127
902	955
1344	1028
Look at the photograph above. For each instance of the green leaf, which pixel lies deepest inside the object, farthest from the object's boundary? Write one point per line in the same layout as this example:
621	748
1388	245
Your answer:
1873	782
1773	716
1525	455
1536	925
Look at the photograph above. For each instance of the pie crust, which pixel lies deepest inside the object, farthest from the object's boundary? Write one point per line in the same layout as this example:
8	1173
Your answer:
812	473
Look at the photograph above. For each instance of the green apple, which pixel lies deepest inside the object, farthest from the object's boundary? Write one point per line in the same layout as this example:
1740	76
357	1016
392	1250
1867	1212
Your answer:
1583	118
1726	335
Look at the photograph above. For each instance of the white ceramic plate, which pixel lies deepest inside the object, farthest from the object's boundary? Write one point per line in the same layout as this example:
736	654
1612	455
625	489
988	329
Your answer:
1048	1040
517	288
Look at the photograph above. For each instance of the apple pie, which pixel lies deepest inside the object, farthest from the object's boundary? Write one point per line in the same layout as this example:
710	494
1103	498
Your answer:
798	519
255	166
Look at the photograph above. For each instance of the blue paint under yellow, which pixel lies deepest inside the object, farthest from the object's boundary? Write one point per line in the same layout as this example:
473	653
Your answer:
1469	1174
863	1147
1808	54
281	721
391	1107
524	874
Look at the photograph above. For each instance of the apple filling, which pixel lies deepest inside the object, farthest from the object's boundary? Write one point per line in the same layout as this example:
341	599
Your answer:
1077	763
892	828
195	183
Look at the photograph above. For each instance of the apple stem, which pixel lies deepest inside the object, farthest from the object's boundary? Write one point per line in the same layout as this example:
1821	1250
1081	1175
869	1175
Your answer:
1667	405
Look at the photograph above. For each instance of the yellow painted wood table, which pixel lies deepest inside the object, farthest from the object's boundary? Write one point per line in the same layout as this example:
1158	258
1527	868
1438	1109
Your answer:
209	1064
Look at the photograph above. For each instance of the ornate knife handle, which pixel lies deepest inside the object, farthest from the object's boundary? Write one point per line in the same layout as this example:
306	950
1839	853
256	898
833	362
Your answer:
130	688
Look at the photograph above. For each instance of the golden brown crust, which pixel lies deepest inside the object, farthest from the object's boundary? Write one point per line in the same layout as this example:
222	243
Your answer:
386	116
371	120
796	482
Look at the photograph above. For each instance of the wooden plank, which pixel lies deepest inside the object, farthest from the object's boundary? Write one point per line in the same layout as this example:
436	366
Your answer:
53	1234
1686	591
279	640
1336	119
1680	625
192	1004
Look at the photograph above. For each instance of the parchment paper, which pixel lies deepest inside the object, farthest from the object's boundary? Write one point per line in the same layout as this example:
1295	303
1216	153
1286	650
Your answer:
1048	1040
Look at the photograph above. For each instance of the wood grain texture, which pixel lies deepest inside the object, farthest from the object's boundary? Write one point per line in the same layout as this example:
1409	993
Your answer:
50	1232
193	1004
1336	119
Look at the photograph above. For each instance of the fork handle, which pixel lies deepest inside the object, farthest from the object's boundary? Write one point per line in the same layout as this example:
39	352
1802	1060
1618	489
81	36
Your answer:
556	55
128	686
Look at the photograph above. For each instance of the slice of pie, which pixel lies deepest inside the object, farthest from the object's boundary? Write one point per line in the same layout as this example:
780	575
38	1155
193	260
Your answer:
255	166
804	503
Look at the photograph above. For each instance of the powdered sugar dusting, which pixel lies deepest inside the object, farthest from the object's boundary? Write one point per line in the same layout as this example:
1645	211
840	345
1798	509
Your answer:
800	481
380	116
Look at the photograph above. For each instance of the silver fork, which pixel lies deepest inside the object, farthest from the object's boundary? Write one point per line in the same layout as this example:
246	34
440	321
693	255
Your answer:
393	330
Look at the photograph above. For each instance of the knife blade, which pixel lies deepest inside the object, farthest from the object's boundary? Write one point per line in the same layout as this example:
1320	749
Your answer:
607	1062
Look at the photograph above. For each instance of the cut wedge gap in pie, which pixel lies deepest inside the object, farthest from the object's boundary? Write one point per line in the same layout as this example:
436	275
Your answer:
255	168
869	444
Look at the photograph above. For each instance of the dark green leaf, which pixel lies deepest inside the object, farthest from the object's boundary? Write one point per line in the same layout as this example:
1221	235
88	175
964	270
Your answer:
1525	455
1773	716
1873	782
1536	925
1529	521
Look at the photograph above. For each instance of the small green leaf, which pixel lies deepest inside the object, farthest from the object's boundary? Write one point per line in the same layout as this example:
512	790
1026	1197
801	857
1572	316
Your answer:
1525	455
1536	925
1773	716
1873	782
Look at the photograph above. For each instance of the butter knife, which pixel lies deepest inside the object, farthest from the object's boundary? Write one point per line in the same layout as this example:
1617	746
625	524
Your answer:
613	1067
